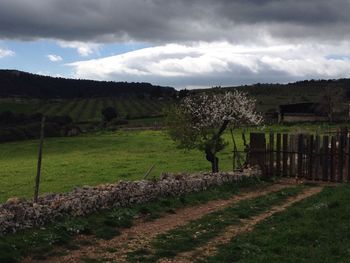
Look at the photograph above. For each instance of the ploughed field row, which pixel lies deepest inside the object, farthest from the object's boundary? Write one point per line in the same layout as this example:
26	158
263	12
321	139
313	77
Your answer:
88	109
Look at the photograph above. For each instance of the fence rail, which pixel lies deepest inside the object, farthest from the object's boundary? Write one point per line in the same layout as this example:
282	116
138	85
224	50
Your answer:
313	157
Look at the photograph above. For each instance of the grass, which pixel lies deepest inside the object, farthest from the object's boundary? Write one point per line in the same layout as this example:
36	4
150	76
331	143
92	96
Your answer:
94	159
40	242
314	230
104	157
200	231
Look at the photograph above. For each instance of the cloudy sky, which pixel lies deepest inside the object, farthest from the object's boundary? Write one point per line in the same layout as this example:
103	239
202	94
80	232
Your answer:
180	43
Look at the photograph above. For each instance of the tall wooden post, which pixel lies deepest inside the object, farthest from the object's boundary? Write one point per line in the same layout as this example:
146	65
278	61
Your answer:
292	155
333	157
38	173
278	155
272	148
342	142
285	155
317	158
258	151
310	157
325	158
348	159
300	155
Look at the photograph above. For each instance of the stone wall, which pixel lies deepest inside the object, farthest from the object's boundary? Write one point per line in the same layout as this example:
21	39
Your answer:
17	214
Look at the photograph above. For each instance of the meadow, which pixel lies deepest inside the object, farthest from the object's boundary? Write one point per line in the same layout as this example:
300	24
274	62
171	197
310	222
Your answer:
106	157
103	157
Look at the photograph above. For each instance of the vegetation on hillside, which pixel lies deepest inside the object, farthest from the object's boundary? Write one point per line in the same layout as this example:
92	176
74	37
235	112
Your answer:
15	83
89	109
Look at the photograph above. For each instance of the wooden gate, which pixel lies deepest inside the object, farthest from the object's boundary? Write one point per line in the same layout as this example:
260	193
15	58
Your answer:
313	157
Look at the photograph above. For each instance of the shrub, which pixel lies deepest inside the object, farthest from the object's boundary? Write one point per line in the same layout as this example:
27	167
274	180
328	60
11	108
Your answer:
109	113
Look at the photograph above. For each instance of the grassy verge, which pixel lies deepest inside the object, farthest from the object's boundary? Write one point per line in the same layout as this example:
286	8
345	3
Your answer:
106	157
97	158
198	232
315	230
40	242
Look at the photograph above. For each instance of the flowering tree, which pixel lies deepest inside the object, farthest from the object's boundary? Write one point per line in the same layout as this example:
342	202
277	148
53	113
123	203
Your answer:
199	121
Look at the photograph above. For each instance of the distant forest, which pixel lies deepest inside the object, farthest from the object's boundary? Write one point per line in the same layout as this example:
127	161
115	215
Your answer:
15	83
299	87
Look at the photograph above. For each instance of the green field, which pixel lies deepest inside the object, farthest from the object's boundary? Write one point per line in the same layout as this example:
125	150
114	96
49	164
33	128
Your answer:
82	110
105	157
94	159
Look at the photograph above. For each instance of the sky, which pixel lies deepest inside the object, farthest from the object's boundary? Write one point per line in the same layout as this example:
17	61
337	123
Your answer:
178	43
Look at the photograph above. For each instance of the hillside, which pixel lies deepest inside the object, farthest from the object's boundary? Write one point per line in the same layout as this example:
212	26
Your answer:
83	100
15	83
270	96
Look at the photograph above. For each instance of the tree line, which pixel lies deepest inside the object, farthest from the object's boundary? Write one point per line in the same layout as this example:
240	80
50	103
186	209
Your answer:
15	83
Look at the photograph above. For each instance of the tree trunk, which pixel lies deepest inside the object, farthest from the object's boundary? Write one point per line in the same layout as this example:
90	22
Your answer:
211	157
211	148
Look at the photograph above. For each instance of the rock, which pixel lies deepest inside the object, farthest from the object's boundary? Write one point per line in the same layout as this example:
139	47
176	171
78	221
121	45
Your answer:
17	213
14	200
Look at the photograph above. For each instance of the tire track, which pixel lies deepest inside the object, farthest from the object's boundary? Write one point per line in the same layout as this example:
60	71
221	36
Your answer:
247	225
142	232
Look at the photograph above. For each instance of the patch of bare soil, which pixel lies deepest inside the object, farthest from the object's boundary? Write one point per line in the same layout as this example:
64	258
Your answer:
247	225
142	232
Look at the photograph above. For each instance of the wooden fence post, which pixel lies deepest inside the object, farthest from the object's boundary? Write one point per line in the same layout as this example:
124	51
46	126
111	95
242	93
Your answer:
300	155
348	159
317	158
258	150
342	141
292	155
285	155
272	159
325	158
310	157
278	155
38	173
333	157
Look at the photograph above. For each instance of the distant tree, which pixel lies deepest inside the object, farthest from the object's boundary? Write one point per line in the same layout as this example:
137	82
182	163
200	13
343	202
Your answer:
109	113
183	93
199	121
331	100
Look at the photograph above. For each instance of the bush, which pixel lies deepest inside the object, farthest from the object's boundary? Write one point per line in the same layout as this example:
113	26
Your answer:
12	134
109	114
15	127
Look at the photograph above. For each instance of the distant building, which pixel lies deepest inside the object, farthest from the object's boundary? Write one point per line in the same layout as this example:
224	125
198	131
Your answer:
301	112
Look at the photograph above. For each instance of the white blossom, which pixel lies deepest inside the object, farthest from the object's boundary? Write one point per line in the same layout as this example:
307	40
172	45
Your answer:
210	111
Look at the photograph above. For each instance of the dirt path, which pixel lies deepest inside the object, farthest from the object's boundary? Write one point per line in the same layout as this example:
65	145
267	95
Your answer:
247	225
141	233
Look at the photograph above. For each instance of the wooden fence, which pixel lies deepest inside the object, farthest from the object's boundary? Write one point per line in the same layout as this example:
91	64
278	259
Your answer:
313	157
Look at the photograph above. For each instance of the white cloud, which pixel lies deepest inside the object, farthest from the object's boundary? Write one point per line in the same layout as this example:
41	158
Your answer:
54	58
84	49
220	63
6	53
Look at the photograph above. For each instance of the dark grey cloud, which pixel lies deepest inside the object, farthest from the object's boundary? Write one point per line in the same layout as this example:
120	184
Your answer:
175	20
